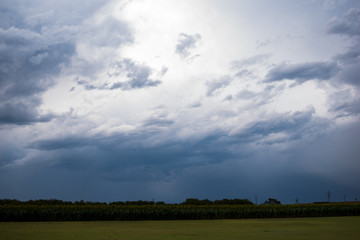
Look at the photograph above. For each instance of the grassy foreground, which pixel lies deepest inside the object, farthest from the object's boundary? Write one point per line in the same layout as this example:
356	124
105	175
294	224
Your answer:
290	228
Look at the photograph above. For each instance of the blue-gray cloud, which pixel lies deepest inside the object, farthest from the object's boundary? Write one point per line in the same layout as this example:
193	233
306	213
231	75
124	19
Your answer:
349	25
214	166
242	63
217	85
9	18
22	112
28	63
352	56
349	60
291	126
246	94
350	74
158	122
343	104
186	43
302	72
332	4
125	74
138	75
36	48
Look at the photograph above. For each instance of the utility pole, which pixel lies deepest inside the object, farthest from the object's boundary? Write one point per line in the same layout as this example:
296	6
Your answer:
297	200
256	199
329	195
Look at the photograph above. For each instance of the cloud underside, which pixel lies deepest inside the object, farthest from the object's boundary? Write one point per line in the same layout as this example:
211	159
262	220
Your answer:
124	160
348	25
302	72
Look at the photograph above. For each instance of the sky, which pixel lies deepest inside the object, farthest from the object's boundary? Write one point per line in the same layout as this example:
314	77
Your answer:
167	100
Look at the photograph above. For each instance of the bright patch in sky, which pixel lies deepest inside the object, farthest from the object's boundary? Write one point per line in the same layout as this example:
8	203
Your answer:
128	100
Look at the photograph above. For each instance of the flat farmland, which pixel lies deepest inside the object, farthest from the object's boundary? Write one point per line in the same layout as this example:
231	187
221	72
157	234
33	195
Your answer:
281	228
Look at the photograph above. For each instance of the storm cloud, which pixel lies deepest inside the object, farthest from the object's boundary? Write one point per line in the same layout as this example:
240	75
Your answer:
103	101
347	25
28	63
302	72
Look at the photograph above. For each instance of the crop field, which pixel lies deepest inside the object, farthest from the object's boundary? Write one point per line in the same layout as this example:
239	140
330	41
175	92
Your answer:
25	213
279	228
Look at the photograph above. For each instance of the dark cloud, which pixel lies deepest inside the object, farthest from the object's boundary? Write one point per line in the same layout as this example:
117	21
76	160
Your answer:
351	56
67	142
158	122
291	126
333	154
113	156
217	85
9	18
255	100
343	103
349	60
28	63
10	151
332	4
39	13
37	47
214	166
302	72
349	25
138	75
186	43
20	112
350	74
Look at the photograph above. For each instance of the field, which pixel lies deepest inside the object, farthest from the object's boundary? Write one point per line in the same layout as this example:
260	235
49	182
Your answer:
290	228
88	212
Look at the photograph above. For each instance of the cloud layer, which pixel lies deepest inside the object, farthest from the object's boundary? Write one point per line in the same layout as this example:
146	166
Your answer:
126	100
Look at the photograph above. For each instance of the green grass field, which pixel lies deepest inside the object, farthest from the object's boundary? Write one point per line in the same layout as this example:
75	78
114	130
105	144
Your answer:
294	228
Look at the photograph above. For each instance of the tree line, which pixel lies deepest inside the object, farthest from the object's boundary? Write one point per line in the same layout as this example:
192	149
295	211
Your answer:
189	201
23	213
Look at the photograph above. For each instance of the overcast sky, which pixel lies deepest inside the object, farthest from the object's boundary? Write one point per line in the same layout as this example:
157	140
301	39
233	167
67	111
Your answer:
168	100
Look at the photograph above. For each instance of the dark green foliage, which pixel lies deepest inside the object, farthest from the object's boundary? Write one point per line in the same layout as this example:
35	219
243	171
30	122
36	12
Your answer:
195	201
92	212
233	202
272	201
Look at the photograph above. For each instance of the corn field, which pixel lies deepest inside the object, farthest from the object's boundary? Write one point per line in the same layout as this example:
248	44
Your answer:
171	212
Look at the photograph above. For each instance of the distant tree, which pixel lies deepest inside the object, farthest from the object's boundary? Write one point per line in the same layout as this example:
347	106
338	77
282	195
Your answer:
81	202
10	202
225	201
233	202
117	203
192	201
272	201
